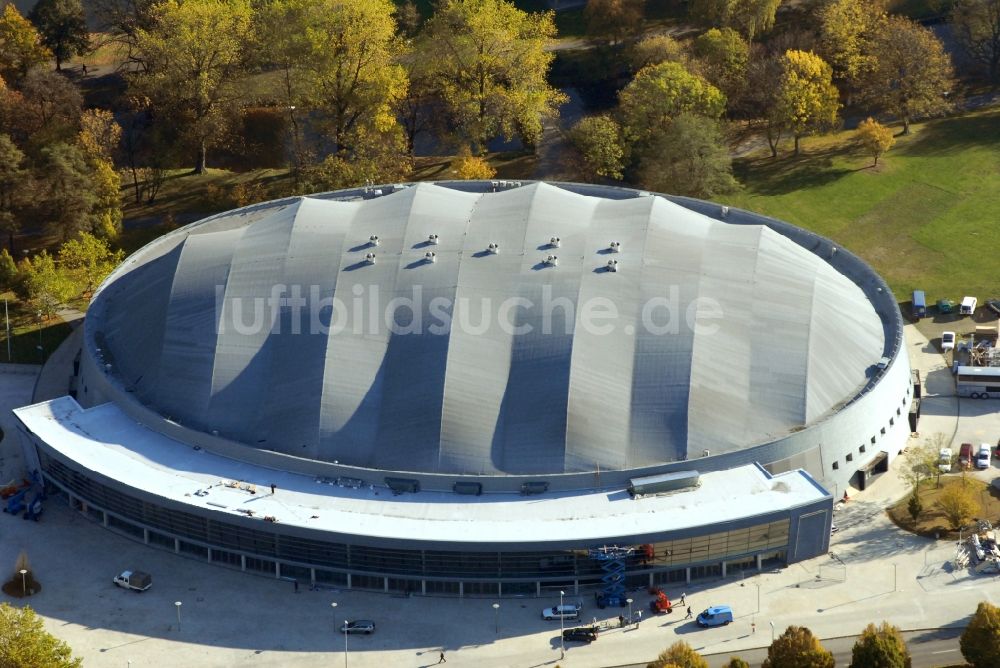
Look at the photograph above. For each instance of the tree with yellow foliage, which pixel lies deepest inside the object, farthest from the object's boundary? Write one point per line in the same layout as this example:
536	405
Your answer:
21	46
875	138
807	100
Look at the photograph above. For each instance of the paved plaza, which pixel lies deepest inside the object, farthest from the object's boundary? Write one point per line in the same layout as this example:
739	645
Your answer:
228	618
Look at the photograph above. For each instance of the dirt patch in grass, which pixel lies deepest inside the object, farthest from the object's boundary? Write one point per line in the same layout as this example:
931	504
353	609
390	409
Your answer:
932	523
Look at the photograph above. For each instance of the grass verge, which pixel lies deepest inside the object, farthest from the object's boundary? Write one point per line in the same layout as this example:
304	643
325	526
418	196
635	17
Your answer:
932	523
924	218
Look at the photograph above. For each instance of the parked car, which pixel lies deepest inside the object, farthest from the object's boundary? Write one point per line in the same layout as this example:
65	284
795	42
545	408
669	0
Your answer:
365	626
947	341
993	305
983	458
581	633
965	456
918	305
944	460
134	580
717	615
968	306
945	306
567	611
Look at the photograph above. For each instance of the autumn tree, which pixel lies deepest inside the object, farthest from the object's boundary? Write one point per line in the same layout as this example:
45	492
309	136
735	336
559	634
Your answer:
8	271
21	46
846	27
122	21
798	647
980	642
195	52
807	101
880	646
654	49
976	25
749	17
471	167
14	181
689	158
100	133
339	63
737	662
681	655
910	75
88	260
763	95
724	56
63	28
875	138
489	68
612	22
599	146
958	503
25	643
659	93
42	285
49	109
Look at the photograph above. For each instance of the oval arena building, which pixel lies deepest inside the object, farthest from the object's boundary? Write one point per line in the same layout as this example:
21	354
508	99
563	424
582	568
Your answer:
480	388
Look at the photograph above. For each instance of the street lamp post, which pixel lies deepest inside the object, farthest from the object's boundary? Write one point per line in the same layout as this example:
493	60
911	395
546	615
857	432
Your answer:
894	576
562	627
629	601
772	632
758	597
41	354
345	643
177	604
24	581
496	617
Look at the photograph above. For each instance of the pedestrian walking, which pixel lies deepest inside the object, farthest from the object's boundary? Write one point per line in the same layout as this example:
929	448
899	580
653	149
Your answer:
753	627
689	613
272	488
682	599
442	659
621	621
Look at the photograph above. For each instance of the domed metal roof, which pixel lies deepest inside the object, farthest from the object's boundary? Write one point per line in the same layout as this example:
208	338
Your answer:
529	331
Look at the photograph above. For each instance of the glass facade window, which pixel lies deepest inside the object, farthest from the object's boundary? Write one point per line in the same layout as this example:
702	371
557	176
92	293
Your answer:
414	570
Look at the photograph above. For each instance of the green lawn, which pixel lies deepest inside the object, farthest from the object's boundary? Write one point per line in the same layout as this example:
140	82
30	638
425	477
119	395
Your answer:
928	217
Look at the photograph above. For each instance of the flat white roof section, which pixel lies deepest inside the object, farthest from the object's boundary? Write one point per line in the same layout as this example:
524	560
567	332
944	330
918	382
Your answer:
105	440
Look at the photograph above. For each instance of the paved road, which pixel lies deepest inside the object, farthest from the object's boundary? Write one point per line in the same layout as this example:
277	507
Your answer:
928	649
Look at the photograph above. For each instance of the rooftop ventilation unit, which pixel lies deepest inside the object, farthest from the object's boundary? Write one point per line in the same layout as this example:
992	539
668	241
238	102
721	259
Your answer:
555	242
534	487
403	485
373	240
470	488
433	239
612	265
430	257
370	258
551	260
614	247
493	249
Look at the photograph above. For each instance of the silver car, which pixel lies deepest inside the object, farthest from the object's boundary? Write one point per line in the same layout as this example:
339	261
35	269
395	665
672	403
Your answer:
365	626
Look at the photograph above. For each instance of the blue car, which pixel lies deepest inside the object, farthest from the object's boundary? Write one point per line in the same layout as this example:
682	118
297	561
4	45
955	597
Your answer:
717	615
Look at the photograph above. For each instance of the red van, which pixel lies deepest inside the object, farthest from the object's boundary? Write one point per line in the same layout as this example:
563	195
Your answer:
965	455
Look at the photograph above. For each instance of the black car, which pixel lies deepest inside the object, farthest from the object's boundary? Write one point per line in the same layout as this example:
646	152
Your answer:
993	305
582	633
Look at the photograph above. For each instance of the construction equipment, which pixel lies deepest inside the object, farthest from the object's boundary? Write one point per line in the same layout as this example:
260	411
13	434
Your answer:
661	603
15	503
613	559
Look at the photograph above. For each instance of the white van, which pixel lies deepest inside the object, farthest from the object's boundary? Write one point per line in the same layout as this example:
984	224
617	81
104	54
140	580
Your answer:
944	460
983	458
968	306
567	611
